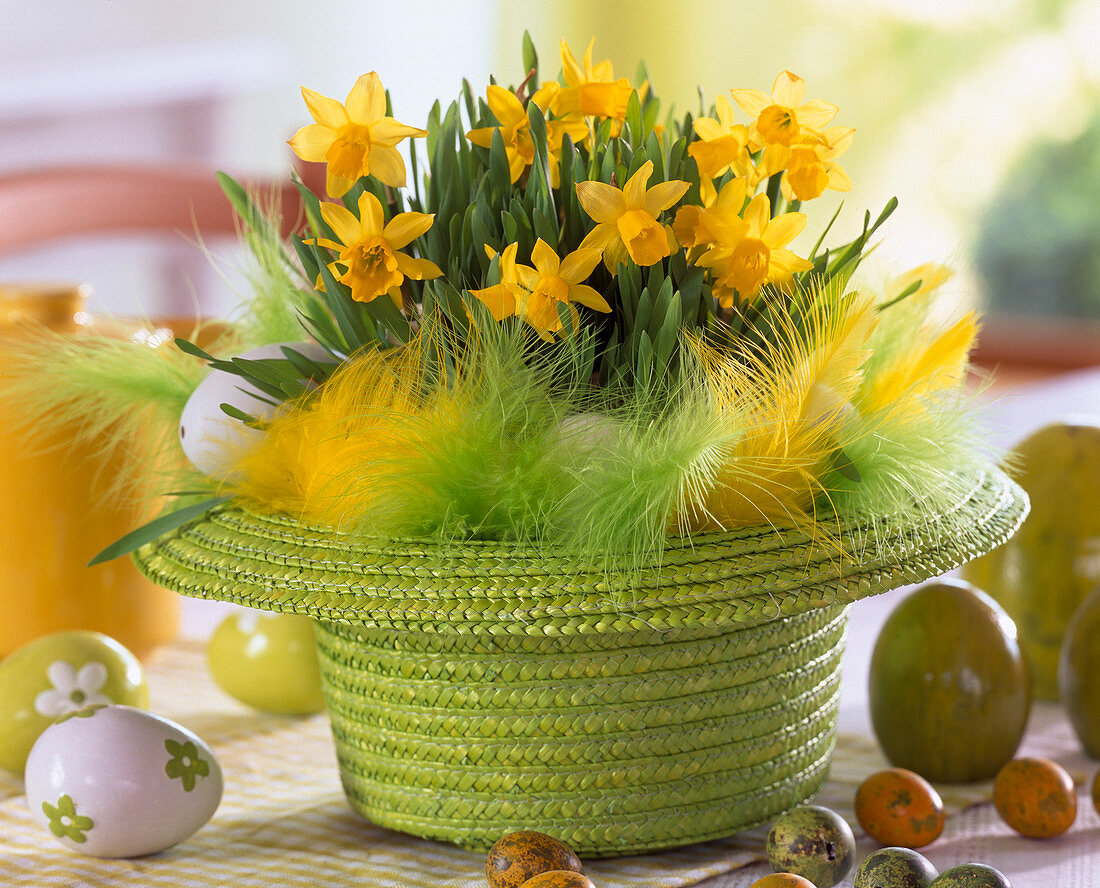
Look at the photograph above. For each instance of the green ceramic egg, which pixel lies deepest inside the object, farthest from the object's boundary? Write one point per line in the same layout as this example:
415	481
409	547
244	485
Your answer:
895	868
812	842
58	674
268	661
971	875
949	691
1079	672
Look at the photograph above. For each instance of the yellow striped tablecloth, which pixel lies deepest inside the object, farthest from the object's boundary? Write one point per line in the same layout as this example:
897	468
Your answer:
283	821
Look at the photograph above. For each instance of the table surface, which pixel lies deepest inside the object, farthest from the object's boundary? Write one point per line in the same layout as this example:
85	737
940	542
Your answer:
284	822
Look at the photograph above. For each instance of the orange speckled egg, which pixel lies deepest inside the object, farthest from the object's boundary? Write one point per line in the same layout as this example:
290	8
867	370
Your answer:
900	808
783	880
1035	796
559	879
517	856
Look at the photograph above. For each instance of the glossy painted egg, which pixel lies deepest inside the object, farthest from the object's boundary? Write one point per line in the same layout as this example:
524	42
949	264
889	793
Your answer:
895	868
898	807
114	781
971	875
559	879
1035	797
812	842
782	880
213	440
948	686
518	856
57	674
267	661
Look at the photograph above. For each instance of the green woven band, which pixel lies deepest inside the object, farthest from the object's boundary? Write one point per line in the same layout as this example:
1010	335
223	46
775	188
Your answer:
748	576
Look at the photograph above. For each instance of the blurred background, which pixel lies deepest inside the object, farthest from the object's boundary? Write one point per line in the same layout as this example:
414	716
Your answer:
981	116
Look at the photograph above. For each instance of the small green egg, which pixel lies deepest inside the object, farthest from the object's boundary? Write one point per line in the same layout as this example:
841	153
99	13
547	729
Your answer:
971	875
55	675
268	661
895	868
812	842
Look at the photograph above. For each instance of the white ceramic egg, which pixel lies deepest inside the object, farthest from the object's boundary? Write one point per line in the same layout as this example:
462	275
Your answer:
210	438
114	781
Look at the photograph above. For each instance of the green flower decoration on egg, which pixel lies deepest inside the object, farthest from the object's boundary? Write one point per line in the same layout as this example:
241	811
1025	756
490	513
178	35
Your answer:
186	763
64	821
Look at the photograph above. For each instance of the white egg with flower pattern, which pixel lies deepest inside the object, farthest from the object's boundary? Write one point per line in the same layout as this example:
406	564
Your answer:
114	781
211	439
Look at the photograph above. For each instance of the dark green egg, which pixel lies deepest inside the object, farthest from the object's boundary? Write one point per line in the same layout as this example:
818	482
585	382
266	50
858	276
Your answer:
971	875
812	842
895	868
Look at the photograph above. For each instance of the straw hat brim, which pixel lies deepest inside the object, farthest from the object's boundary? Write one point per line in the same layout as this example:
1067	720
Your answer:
746	576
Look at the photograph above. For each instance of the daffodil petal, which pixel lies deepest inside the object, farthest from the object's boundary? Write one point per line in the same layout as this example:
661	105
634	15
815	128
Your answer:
585	295
574	74
337	185
499	299
405	227
634	191
787	262
615	255
751	101
788	90
781	230
389	132
578	265
604	203
600	237
417	269
757	214
526	276
663	195
327	112
311	142
371	217
506	108
838	179
387	166
367	99
816	114
342	221
544	258
707	128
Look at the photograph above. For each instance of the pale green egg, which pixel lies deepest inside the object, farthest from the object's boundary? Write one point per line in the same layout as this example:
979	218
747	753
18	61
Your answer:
55	675
268	661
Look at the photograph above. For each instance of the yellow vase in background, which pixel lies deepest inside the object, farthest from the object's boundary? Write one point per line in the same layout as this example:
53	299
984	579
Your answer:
54	518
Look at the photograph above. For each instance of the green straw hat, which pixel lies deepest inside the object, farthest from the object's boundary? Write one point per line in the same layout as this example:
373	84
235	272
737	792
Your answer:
480	687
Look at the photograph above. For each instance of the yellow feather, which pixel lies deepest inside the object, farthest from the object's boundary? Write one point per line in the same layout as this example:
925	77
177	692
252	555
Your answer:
936	364
780	415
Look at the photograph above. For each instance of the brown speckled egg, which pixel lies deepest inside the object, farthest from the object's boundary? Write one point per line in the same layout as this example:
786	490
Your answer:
898	807
783	880
1096	792
812	842
971	875
517	856
1035	796
559	879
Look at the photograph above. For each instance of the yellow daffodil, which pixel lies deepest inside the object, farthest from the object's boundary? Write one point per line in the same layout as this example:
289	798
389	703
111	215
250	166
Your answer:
591	89
741	266
535	293
553	282
626	219
811	166
354	139
369	261
515	130
779	119
722	146
696	226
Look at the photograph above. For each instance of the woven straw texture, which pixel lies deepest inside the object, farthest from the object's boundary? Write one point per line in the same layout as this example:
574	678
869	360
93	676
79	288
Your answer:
483	687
